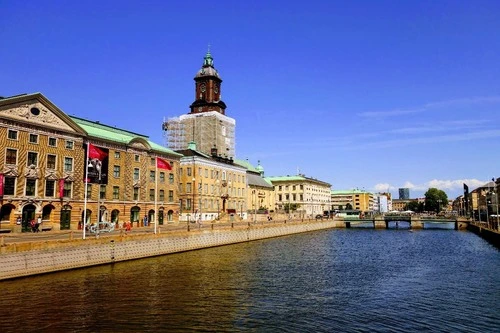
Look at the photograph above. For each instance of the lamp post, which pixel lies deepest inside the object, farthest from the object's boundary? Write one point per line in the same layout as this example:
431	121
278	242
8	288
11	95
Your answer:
200	188
217	195
254	197
192	201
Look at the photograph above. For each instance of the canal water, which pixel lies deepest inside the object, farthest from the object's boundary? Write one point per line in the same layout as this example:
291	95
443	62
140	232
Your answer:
340	280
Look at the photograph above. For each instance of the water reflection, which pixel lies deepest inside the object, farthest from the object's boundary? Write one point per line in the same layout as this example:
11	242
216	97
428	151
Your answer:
336	280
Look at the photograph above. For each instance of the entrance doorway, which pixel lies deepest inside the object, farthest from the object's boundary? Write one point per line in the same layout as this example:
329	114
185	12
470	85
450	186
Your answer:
65	221
28	215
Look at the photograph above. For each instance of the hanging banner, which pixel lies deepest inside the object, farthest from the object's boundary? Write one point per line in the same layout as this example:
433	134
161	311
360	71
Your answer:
61	188
97	164
1	185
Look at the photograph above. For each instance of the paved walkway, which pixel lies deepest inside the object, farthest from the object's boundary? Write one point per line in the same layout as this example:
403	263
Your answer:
42	236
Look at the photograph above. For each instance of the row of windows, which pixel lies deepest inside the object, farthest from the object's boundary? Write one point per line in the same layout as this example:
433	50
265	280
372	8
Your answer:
116	193
211	204
32	159
30	190
287	197
152	174
203	188
33	138
293	187
214	174
52	142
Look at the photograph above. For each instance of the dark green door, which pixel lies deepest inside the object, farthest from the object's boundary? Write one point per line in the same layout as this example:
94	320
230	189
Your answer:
28	215
65	221
160	217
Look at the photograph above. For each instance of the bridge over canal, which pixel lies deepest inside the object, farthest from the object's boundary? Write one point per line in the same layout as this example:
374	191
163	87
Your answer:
415	222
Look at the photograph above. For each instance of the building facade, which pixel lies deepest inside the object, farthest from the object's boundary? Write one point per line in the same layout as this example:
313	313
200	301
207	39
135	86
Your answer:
43	168
357	199
301	196
211	187
260	194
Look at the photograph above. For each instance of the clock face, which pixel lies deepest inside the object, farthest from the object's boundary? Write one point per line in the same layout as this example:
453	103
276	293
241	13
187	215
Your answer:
216	89
203	87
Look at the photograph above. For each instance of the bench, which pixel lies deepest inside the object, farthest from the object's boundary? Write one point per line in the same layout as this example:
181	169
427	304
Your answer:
47	228
5	231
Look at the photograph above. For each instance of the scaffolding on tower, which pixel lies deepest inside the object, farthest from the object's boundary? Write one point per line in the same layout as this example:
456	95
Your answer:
207	129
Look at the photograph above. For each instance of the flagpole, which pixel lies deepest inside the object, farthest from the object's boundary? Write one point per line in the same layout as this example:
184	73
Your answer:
156	192
85	195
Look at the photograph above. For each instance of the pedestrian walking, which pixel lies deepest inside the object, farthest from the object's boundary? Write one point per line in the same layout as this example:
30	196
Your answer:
34	225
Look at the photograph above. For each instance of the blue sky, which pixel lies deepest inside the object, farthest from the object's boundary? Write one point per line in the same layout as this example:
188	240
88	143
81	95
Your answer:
374	95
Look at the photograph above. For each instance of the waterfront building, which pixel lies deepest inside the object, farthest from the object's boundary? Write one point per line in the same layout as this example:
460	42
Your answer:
260	194
301	196
211	187
483	201
206	123
404	193
400	204
42	170
357	199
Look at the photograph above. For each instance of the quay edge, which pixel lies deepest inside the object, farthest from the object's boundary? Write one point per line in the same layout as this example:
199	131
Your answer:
21	260
492	236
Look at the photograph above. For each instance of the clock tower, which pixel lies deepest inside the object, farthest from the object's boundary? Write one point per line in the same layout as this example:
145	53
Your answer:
208	89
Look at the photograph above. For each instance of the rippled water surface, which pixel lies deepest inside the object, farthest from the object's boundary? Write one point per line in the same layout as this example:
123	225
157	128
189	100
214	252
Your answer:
341	280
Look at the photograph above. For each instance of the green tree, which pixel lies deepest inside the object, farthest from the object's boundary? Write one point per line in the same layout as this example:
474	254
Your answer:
413	206
348	206
435	200
291	207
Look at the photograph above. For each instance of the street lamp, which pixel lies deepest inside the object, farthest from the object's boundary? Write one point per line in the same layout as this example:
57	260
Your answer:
200	189
193	190
217	195
254	197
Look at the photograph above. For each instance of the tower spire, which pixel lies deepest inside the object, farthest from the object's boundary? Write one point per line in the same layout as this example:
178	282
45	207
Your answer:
208	61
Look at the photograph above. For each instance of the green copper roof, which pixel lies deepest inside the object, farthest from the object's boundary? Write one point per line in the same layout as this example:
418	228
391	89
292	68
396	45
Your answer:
347	192
246	164
259	167
285	178
117	135
208	60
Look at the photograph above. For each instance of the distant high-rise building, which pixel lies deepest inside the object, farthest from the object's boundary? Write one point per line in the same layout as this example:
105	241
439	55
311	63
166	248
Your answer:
404	193
206	124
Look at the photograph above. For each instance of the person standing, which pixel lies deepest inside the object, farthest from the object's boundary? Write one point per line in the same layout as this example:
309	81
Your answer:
33	225
39	223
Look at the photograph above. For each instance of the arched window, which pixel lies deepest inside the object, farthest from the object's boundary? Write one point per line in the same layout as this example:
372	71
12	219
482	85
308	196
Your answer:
115	215
160	216
134	214
46	211
5	212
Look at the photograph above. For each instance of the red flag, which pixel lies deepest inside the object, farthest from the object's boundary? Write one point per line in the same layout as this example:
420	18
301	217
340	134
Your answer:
162	164
61	187
1	185
95	152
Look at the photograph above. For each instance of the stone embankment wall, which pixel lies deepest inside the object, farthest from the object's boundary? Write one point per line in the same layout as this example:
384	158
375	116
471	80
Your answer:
24	259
